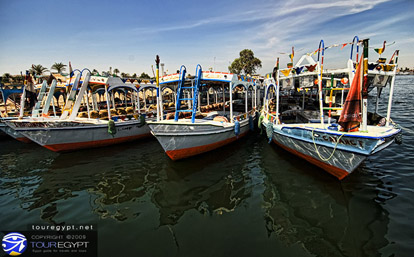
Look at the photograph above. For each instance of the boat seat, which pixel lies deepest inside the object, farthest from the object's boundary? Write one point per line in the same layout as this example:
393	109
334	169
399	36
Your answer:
220	119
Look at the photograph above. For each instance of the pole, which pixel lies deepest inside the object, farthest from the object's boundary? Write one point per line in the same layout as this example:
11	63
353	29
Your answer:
107	101
330	98
391	91
320	67
224	102
245	100
22	102
231	103
364	78
157	77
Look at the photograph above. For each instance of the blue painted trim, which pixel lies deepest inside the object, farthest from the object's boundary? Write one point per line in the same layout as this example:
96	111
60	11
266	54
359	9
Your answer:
339	134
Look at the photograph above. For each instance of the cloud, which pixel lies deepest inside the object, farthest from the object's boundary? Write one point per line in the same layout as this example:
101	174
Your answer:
350	7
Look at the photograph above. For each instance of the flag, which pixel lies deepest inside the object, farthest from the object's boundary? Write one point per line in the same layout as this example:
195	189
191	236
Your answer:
285	72
292	54
311	67
351	113
298	70
70	70
380	50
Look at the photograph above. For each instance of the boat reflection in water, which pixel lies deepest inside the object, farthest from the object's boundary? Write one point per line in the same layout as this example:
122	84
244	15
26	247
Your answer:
230	201
326	217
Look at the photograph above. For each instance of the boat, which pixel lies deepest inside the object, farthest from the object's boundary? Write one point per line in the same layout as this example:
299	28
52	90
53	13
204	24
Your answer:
212	109
337	147
87	126
6	92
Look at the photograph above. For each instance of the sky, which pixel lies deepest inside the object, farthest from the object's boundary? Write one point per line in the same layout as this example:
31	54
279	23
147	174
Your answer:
128	34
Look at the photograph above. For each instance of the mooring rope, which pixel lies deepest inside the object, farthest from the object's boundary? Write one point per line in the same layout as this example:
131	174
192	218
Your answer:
317	151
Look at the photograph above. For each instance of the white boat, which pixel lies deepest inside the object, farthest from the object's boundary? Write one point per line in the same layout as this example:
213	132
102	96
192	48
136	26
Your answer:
338	149
6	92
203	127
70	132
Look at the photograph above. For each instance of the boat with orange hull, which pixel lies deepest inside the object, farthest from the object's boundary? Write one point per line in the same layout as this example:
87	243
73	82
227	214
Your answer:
338	148
202	127
71	132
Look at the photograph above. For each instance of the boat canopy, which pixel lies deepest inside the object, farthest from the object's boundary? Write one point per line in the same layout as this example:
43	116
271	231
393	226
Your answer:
6	91
213	76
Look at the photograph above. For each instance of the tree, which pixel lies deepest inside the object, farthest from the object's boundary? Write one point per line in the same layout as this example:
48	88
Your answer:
116	71
246	63
134	76
6	77
59	67
38	69
123	75
144	76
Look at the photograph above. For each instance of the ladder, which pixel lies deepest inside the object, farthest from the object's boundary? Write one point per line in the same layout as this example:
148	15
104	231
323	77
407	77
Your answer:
37	108
49	98
71	98
194	88
82	91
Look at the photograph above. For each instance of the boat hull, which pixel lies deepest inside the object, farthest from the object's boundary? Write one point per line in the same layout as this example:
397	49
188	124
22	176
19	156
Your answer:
13	133
183	140
69	136
341	164
339	159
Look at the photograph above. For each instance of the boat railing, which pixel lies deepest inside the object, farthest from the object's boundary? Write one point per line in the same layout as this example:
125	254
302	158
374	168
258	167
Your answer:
243	116
273	118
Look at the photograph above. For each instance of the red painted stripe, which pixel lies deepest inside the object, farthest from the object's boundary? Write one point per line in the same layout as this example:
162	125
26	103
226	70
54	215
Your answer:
24	139
92	144
191	151
333	170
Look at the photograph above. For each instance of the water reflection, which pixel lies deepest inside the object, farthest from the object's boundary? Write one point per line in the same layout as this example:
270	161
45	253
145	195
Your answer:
325	216
211	184
118	176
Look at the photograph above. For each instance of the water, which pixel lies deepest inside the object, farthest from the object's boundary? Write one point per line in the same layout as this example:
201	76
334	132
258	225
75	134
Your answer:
246	199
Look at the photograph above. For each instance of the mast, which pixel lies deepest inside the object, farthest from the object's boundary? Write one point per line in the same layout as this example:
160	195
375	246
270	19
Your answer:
276	78
320	67
351	72
159	97
392	89
364	87
231	101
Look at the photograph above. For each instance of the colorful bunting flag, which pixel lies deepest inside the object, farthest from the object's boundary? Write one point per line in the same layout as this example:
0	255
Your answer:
380	50
311	67
298	70
286	72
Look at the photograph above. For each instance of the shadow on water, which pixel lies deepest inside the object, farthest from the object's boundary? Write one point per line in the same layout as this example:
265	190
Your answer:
124	174
328	217
210	183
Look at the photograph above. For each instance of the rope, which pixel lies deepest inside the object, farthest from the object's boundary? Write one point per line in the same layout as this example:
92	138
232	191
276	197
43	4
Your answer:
399	136
317	151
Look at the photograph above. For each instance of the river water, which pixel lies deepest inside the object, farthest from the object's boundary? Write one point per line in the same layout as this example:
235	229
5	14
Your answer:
246	199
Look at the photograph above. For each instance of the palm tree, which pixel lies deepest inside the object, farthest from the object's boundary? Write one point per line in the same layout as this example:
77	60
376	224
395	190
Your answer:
116	71
59	67
38	69
123	75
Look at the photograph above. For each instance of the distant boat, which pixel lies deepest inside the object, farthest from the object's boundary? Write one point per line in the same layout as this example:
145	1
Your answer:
70	132
197	127
6	92
338	149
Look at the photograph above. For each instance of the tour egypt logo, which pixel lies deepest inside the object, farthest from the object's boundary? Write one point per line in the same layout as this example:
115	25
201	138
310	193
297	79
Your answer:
14	243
